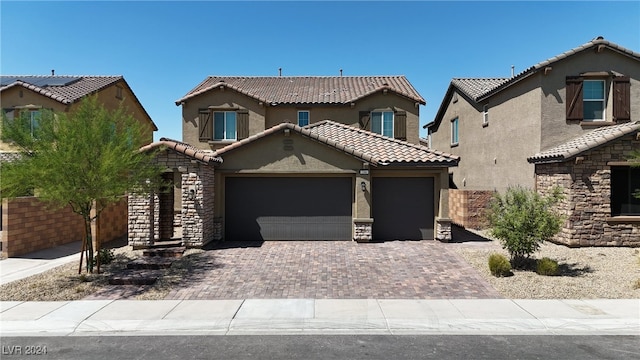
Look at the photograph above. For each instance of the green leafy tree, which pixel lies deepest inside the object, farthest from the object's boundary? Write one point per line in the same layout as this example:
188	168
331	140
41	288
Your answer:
87	159
522	220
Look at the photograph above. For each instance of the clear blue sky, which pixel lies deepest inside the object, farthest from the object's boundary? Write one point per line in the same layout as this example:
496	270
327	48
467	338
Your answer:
163	49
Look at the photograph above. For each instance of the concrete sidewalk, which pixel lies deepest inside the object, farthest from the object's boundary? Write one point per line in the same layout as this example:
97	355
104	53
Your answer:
16	268
320	316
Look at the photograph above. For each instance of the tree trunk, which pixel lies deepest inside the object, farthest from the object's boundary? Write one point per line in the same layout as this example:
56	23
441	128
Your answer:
89	243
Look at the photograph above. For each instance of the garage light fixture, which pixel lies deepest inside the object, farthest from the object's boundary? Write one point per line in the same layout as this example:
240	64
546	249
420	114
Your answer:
363	186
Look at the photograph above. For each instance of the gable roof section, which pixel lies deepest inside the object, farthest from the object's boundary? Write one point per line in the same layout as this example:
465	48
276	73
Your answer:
307	89
479	89
364	145
586	142
184	149
75	88
66	89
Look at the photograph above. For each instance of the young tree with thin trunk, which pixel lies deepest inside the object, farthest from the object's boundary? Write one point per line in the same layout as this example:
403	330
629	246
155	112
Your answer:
87	159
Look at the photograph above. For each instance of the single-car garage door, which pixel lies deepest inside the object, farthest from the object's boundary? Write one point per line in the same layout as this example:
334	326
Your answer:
288	208
403	208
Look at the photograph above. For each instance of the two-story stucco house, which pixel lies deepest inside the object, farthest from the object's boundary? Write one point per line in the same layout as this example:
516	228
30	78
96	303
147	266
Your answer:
542	127
28	95
298	158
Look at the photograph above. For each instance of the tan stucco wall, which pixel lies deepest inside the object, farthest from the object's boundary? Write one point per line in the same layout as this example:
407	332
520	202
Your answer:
528	117
263	116
222	99
493	157
554	127
267	157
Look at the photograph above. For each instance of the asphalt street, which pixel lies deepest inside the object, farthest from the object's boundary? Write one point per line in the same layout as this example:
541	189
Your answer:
442	347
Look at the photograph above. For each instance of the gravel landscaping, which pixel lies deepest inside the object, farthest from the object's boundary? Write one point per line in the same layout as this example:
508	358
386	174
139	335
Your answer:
586	273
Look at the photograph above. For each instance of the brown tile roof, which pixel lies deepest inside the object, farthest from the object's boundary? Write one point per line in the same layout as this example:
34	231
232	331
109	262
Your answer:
78	86
362	144
307	89
66	89
184	149
586	142
505	82
476	87
479	89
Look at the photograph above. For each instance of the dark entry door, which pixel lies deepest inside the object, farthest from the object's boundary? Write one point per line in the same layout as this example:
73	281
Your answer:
288	208
403	208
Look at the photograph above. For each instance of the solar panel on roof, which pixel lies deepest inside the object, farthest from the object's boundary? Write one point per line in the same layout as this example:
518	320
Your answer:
7	80
41	81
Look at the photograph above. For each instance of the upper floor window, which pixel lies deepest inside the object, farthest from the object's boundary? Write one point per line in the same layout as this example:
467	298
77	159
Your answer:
593	100
593	97
454	132
625	182
219	125
119	92
224	125
382	122
485	115
303	118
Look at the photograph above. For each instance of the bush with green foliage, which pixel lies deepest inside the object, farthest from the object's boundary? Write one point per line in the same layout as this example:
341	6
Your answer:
522	220
547	266
106	256
499	265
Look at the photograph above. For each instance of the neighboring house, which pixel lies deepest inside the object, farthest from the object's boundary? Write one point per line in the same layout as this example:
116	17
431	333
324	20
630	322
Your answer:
297	158
496	124
32	94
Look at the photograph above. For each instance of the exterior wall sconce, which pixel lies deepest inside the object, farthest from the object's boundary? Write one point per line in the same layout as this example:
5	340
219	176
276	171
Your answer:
192	194
363	186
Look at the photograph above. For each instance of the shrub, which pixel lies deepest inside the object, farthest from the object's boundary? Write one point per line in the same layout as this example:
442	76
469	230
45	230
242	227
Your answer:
106	256
522	220
499	265
636	284
547	266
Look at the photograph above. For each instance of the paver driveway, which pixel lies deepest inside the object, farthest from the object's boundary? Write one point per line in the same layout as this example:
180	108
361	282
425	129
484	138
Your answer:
333	269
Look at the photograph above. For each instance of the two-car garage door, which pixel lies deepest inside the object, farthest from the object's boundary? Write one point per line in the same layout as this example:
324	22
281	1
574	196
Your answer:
288	208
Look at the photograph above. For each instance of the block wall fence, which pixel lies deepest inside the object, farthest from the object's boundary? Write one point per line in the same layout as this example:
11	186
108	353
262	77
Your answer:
29	225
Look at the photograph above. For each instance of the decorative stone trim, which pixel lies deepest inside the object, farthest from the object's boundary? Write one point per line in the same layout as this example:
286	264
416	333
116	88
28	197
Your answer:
363	230
443	229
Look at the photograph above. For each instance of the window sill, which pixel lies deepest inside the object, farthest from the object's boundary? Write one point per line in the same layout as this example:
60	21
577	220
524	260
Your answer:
214	142
596	123
624	219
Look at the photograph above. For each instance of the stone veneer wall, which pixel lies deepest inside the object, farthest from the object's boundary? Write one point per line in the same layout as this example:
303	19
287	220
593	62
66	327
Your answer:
587	189
197	220
467	207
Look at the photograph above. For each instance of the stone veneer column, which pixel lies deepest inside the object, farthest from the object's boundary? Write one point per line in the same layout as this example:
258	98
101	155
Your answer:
443	229
198	226
141	220
362	230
